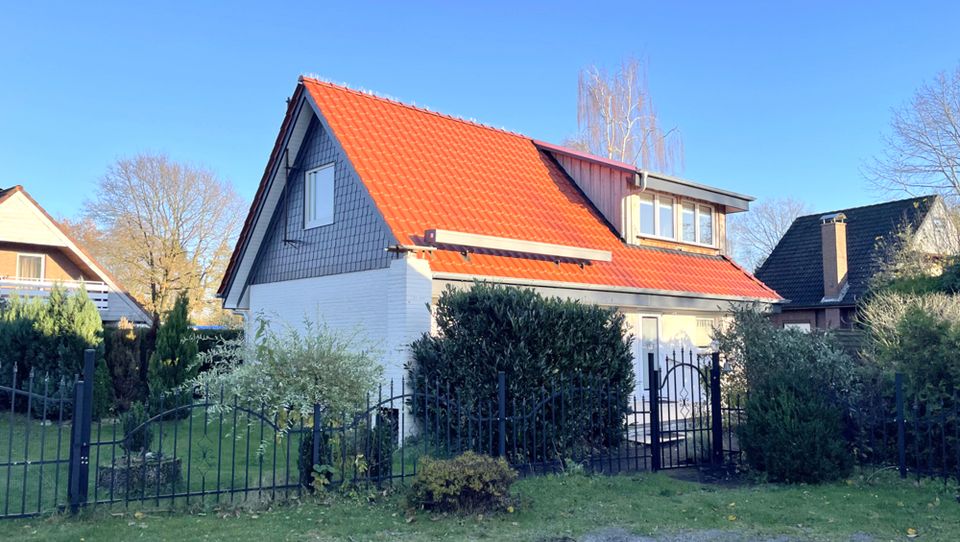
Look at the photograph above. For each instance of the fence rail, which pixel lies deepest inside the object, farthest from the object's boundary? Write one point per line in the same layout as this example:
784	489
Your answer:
212	448
208	448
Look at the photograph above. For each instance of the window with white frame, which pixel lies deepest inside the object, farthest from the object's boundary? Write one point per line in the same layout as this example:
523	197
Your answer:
318	197
665	217
689	223
657	216
705	224
799	326
648	218
30	266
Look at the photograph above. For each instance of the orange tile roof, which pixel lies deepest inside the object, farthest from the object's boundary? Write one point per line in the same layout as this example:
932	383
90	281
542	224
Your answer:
425	170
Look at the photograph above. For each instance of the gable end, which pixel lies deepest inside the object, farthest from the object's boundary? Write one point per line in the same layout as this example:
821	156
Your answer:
356	240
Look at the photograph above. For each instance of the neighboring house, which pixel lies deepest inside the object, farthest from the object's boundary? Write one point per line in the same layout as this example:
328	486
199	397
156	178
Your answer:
823	265
36	253
369	208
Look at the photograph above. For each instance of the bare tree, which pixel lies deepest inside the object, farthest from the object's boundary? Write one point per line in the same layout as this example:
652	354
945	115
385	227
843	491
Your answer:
753	235
162	228
616	119
922	153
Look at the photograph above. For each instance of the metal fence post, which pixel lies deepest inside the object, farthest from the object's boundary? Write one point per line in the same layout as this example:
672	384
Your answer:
502	413
901	427
653	375
315	434
716	412
79	471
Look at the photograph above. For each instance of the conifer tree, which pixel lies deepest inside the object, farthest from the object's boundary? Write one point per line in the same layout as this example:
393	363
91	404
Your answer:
174	356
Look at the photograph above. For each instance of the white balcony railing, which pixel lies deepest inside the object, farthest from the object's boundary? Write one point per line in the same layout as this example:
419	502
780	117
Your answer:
98	292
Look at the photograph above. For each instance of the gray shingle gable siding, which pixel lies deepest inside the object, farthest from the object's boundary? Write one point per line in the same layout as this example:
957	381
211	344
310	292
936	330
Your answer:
795	267
355	241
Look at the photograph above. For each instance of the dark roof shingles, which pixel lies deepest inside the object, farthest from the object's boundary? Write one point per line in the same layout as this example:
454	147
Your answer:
795	267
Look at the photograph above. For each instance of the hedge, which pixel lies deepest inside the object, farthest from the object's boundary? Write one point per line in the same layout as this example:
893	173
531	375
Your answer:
540	344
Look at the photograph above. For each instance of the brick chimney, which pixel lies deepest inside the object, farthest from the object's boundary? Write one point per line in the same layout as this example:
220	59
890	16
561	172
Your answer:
833	236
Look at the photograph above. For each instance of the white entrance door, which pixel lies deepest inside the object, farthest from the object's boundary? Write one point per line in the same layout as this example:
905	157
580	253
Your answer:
646	332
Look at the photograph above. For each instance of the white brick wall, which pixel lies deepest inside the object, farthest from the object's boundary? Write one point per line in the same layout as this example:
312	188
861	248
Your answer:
388	306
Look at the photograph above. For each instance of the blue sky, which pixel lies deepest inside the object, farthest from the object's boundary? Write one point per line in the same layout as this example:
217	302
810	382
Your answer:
772	98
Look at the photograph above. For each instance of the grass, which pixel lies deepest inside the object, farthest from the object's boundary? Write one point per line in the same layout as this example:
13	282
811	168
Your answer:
229	450
257	458
552	507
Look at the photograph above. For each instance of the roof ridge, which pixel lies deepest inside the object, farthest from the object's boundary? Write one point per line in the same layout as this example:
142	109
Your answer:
420	109
868	206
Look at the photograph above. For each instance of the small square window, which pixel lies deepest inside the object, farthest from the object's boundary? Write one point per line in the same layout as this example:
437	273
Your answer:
318	197
30	266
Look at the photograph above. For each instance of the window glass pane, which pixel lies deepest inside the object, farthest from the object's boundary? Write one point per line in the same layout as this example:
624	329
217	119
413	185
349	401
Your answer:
706	225
666	216
29	267
318	197
689	223
650	344
646	215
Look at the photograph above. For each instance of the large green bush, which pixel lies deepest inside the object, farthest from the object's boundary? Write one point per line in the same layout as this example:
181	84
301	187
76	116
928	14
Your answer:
48	335
800	389
927	352
291	369
541	344
467	483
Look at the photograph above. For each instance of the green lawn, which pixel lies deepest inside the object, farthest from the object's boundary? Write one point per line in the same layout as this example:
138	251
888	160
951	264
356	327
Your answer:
553	506
248	454
229	450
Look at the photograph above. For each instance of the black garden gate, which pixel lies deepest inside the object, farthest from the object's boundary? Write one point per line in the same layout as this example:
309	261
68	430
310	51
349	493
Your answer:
686	421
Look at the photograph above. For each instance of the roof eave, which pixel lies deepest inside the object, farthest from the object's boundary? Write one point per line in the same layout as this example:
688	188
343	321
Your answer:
732	199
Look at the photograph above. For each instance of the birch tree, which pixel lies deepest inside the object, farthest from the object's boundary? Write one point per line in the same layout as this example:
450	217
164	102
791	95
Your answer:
163	228
753	235
616	118
922	150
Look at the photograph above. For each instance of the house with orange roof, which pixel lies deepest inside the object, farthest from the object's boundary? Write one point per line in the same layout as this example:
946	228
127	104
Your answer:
36	254
368	208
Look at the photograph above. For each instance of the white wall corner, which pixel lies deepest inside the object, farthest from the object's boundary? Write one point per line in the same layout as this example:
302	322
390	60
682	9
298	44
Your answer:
409	289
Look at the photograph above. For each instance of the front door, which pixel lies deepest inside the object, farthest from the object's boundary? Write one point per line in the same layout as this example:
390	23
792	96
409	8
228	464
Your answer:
647	333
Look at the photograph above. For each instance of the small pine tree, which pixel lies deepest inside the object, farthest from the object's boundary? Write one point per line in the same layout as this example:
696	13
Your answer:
68	323
102	390
123	358
173	361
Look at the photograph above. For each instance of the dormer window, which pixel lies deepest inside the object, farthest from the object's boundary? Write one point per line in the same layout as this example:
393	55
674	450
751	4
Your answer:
657	216
658	219
318	197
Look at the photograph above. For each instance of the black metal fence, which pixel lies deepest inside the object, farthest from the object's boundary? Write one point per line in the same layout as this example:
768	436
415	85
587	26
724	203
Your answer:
918	438
212	448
